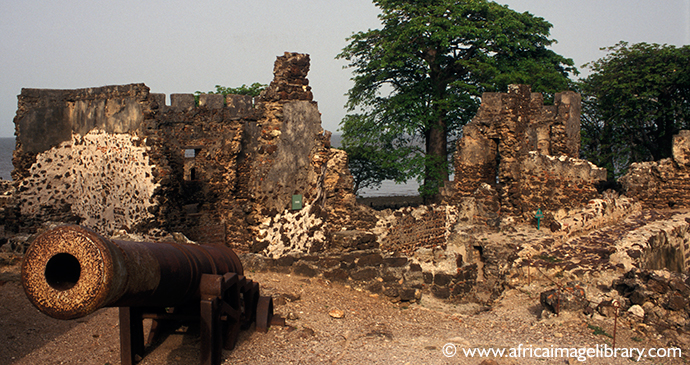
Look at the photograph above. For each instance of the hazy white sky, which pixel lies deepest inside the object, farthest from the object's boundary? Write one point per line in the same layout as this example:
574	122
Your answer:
181	46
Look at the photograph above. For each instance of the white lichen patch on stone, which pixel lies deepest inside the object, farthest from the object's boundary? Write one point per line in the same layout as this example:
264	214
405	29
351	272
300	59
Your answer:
106	179
292	232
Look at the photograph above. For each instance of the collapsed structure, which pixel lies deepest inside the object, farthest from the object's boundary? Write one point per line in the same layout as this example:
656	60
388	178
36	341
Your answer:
664	183
527	152
259	175
118	158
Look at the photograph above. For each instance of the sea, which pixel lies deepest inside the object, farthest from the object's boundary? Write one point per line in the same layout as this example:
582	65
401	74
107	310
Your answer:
388	187
6	149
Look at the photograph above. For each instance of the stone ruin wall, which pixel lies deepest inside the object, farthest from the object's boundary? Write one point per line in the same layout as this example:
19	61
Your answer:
224	172
664	183
527	152
88	166
215	171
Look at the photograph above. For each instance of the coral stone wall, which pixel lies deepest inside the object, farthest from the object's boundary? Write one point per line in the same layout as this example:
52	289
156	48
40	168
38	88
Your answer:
557	182
202	144
106	180
118	158
664	183
502	146
46	118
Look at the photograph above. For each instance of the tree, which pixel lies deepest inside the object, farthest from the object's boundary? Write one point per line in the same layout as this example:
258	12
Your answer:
417	80
636	98
369	166
253	90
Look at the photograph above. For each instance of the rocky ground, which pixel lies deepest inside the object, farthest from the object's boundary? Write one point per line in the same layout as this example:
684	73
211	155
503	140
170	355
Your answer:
591	263
373	330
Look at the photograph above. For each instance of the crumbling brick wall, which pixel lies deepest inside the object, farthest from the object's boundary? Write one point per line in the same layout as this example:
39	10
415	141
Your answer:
409	229
664	183
505	144
118	158
201	144
79	157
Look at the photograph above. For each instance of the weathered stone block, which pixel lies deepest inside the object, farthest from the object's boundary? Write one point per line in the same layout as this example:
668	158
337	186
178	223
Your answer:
395	261
389	275
239	105
284	261
329	262
391	290
681	148
676	302
211	101
442	279
182	101
336	274
415	279
159	100
375	287
302	268
441	292
373	259
407	294
364	274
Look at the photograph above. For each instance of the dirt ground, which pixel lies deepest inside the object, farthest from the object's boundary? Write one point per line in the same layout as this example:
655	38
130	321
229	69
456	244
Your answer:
372	331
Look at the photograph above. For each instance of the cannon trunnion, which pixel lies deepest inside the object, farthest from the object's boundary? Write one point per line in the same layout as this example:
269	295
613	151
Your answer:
70	271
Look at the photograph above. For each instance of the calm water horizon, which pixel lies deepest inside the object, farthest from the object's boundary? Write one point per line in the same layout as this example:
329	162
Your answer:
6	149
388	188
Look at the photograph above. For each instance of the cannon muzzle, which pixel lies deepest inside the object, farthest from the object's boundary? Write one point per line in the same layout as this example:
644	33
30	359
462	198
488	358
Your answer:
70	271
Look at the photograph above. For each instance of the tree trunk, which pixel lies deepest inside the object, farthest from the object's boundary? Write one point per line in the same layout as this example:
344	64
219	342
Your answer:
436	167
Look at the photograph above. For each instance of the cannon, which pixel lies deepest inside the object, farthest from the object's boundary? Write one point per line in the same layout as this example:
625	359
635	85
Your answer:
70	271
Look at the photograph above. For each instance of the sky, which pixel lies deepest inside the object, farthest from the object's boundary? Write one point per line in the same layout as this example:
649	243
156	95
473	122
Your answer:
181	47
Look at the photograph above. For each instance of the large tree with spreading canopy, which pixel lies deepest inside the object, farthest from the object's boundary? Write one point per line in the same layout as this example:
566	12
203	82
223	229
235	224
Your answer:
418	79
636	98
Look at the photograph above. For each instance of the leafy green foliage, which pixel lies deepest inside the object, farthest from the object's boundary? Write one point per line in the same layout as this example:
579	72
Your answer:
636	98
365	168
417	80
253	90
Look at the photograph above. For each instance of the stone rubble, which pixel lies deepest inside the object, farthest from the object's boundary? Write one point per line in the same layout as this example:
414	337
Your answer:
228	170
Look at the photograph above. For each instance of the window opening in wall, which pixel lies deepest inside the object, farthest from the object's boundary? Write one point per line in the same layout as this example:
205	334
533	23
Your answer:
190	153
192	174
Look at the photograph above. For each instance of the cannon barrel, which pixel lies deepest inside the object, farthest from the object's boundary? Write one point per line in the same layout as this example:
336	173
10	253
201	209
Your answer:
70	271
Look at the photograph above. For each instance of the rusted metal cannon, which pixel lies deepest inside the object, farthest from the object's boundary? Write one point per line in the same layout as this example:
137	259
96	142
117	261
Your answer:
70	272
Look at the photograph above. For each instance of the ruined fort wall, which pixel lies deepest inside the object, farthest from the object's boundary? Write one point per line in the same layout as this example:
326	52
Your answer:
505	147
118	158
82	157
46	118
664	183
552	183
201	144
288	153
